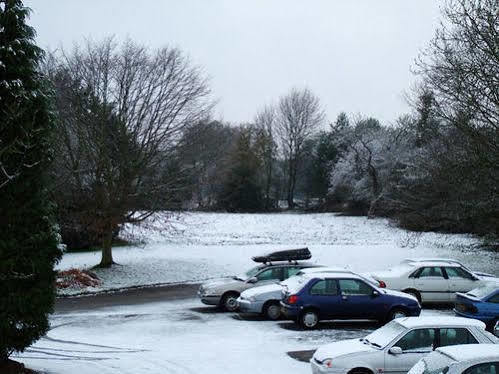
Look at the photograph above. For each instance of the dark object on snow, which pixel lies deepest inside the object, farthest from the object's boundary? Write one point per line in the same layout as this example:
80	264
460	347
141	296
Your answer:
285	255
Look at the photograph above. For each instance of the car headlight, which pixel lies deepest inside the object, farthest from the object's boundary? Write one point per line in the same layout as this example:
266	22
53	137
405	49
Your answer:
252	298
327	363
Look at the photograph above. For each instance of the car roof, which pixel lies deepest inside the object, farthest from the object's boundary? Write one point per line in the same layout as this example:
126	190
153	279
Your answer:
324	269
440	321
339	274
465	352
432	262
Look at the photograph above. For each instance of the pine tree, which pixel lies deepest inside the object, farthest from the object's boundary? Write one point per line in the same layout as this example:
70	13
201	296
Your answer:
241	190
28	239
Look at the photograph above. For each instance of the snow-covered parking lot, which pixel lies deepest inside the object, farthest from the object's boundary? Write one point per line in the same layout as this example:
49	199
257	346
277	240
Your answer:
183	335
178	337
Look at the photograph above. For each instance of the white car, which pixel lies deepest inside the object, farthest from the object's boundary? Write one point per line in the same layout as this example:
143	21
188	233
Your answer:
432	280
460	359
397	346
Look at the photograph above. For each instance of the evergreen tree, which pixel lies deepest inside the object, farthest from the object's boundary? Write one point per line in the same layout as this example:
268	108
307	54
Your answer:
242	191
28	239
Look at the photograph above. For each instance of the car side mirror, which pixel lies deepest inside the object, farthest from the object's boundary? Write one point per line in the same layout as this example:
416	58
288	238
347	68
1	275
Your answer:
252	280
375	293
395	350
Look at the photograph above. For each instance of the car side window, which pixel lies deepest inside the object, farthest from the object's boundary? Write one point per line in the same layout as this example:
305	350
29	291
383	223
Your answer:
456	336
454	272
431	271
327	287
485	368
354	287
417	341
494	299
269	274
290	271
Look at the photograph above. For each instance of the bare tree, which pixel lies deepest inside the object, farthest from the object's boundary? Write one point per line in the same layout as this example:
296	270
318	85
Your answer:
461	68
265	122
123	109
299	114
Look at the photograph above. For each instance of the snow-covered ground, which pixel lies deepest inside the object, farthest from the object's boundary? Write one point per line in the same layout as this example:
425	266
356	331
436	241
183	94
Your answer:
178	337
183	336
198	246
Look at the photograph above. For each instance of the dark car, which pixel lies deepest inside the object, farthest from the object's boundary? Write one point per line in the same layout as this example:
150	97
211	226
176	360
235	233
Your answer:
481	303
328	296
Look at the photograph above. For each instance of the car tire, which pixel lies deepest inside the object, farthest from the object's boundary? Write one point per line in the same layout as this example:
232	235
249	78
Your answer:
360	371
272	310
229	302
396	313
414	293
309	319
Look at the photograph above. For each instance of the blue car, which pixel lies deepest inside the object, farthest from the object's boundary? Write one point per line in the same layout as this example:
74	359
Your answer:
482	303
328	296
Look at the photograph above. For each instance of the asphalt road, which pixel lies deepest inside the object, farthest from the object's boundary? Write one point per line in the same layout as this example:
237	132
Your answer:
132	296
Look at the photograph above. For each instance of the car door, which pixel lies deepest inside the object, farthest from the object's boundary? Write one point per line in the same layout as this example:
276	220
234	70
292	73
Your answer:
359	301
455	336
270	275
324	295
415	344
459	280
432	284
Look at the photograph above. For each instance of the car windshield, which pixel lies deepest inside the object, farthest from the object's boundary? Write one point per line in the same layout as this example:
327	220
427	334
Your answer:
381	337
483	291
436	363
251	272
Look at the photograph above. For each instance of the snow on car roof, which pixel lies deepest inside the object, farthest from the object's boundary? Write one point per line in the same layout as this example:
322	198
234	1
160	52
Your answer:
324	269
432	261
331	274
465	352
410	322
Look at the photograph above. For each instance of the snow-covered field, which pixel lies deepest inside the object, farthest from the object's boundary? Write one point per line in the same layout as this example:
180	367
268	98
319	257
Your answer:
198	246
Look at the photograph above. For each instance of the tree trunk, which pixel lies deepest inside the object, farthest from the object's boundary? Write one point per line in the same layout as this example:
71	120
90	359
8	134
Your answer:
107	250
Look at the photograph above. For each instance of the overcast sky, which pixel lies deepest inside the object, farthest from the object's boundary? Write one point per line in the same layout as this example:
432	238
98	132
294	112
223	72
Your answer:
356	55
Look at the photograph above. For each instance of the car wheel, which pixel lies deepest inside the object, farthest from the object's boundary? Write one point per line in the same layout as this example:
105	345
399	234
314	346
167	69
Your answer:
396	313
414	293
229	302
309	319
272	311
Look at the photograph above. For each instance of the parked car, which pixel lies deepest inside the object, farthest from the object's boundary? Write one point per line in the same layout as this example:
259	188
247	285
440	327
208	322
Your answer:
266	299
481	303
433	280
460	359
224	292
399	345
326	296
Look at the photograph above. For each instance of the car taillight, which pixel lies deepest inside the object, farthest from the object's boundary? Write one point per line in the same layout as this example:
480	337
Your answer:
292	299
382	284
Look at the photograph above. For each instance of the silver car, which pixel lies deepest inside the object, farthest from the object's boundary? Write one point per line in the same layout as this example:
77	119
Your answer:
458	359
224	292
399	345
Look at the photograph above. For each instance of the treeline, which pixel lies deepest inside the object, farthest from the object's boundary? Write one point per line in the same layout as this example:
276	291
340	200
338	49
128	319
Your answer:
135	137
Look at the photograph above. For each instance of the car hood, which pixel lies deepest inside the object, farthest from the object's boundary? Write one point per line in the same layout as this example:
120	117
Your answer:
267	290
220	282
486	277
399	294
342	348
